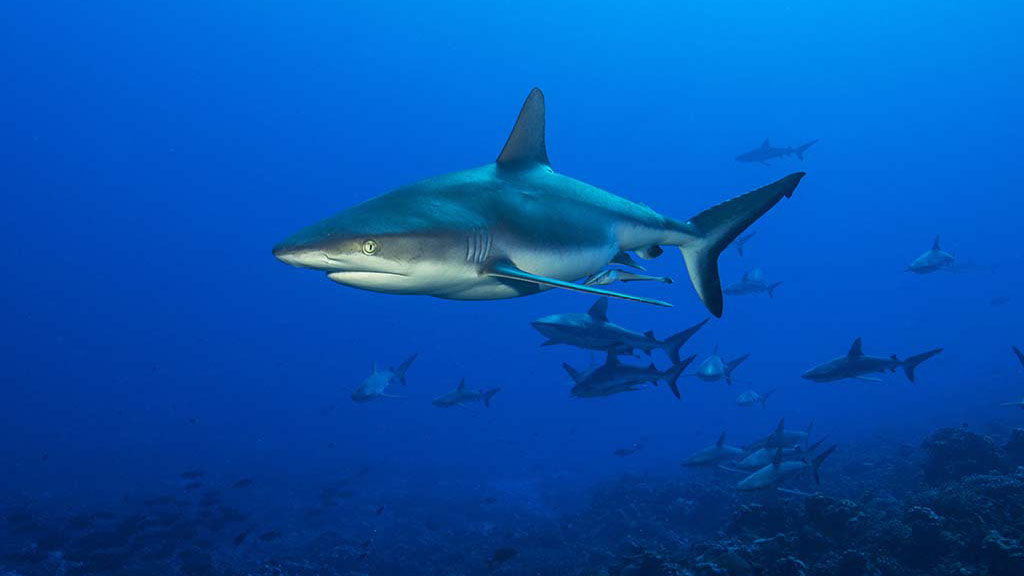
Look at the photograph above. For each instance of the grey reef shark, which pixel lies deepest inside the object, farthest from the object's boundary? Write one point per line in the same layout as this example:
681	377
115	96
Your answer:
768	152
513	228
857	364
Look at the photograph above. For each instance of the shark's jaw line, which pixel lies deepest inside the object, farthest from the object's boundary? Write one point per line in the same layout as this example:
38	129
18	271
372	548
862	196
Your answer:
513	228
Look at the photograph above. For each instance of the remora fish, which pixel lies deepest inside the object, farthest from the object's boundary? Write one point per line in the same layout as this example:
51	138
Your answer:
856	364
594	331
374	385
514	228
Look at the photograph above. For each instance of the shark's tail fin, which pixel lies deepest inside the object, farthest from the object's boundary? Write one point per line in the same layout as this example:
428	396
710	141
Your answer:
771	289
705	235
732	365
400	371
1020	355
673	343
490	394
799	150
910	363
672	374
764	398
816	463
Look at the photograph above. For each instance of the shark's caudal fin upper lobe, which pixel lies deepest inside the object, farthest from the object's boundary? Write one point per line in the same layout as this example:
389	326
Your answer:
673	343
910	363
799	150
400	371
716	227
673	373
816	463
490	394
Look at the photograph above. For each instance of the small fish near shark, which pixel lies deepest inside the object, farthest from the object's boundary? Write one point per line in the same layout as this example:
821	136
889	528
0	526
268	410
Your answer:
933	260
514	228
752	283
856	364
378	381
593	331
767	152
614	377
462	396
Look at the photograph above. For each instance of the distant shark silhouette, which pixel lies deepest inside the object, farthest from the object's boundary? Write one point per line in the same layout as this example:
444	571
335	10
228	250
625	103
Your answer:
514	228
768	152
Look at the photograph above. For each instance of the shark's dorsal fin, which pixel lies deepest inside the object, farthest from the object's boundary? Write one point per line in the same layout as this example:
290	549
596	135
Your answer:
373	367
778	457
780	430
721	440
462	385
650	335
766	144
599	311
525	145
935	245
855	350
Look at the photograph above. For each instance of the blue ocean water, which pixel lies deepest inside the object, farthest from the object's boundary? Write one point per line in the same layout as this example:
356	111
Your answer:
153	155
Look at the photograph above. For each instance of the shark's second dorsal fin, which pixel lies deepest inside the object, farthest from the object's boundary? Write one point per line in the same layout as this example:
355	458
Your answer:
599	311
780	430
935	245
855	350
525	145
721	440
766	144
462	385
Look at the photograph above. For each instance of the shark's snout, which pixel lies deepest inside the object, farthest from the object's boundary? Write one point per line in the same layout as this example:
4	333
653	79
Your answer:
305	256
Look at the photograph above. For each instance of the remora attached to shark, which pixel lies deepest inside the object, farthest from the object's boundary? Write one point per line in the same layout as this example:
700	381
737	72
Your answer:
856	364
767	152
933	260
374	385
593	331
514	228
462	396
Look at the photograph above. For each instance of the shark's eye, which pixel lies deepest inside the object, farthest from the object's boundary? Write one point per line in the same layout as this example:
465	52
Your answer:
369	247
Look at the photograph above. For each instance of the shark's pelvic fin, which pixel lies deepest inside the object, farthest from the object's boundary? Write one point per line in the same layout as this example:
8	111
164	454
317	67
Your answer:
525	145
716	227
506	269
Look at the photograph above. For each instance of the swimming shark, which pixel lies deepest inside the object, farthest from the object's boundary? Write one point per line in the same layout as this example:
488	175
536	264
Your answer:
714	454
781	470
750	398
742	240
856	364
713	368
374	385
933	260
764	456
768	152
752	283
462	396
513	228
614	377
782	437
611	276
594	331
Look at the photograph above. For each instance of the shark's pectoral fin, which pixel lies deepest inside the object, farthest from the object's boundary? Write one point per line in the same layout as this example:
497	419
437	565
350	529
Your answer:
506	269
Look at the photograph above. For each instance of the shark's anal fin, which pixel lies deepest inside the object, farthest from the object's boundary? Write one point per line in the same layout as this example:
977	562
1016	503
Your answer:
506	269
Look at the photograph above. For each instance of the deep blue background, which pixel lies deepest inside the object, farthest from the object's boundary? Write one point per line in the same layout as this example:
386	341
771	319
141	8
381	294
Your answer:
152	156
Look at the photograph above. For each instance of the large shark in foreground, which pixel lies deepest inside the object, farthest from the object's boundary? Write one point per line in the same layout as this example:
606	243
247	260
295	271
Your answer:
857	364
514	228
594	331
767	152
